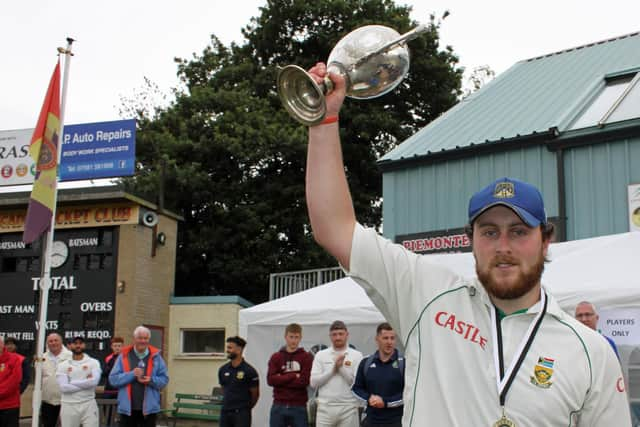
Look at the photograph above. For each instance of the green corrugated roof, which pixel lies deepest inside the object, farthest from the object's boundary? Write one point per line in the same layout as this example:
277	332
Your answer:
531	97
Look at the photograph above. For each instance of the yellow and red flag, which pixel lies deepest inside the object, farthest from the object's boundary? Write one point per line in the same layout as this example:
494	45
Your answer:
44	151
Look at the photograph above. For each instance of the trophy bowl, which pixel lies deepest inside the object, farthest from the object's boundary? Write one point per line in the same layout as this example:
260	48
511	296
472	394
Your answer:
373	60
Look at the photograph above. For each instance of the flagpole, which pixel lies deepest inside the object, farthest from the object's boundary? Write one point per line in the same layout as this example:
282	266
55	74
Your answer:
45	277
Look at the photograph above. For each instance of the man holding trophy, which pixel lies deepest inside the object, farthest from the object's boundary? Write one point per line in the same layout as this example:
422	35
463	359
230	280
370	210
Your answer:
493	351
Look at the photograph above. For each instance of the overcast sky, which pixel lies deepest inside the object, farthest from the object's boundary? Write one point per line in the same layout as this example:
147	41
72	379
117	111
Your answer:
121	42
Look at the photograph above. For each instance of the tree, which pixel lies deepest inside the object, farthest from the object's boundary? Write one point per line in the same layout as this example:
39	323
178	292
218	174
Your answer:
233	161
479	77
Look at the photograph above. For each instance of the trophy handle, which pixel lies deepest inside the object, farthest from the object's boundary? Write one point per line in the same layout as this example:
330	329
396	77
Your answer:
327	85
302	97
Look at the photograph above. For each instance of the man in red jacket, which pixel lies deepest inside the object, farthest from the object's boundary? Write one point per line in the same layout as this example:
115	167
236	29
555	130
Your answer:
11	345
289	371
10	377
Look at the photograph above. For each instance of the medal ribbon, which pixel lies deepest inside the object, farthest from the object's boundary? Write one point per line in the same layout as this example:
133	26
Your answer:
505	379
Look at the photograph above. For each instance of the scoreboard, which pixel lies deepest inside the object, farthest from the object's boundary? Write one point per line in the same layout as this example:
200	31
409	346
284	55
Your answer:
82	293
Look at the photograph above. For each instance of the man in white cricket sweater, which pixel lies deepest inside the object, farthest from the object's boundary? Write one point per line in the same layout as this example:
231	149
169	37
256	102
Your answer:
78	378
332	374
56	354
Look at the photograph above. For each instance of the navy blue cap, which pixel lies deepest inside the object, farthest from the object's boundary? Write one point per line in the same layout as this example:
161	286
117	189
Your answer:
523	198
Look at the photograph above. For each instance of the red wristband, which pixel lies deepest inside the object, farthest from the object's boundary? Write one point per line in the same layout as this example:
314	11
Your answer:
329	119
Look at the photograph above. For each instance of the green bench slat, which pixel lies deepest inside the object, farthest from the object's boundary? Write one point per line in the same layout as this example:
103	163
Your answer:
203	406
212	417
210	405
197	396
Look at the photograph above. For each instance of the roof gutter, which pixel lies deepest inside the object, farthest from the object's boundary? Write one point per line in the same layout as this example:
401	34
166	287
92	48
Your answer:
595	135
470	150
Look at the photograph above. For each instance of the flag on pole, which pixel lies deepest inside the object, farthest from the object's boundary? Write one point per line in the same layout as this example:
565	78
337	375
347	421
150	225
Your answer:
43	150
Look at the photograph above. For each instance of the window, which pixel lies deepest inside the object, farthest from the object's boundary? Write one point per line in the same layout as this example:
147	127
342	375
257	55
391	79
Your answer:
106	261
80	262
619	100
9	265
94	262
96	320
202	341
65	321
106	238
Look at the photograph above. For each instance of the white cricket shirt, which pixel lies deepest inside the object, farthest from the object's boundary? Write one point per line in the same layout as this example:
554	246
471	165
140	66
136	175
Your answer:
78	379
334	388
570	376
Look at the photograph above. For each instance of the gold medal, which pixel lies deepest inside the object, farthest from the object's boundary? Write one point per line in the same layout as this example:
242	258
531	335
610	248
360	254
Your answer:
505	379
504	422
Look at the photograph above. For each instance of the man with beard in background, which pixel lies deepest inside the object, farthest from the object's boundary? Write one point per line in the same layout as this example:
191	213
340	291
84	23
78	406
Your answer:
332	375
240	386
77	378
492	351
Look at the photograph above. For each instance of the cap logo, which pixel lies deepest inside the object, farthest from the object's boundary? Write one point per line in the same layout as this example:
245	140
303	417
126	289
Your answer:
504	190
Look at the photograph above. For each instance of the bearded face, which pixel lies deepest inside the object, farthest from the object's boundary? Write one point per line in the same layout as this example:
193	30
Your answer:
505	277
509	254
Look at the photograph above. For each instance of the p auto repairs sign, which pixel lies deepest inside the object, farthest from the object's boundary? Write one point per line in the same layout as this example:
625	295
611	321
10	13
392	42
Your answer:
89	151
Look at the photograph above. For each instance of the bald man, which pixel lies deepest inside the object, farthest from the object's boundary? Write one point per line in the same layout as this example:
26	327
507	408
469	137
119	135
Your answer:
587	315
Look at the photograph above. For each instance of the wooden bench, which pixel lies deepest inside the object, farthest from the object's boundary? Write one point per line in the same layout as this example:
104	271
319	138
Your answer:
203	407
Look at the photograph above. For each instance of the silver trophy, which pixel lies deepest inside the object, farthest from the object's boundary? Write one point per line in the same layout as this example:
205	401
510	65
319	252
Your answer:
373	60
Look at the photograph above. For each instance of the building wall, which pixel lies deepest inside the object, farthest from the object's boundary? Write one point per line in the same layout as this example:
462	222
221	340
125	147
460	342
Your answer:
596	181
436	196
149	281
197	374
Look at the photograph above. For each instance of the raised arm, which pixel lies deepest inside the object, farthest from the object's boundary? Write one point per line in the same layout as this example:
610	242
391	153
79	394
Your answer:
328	199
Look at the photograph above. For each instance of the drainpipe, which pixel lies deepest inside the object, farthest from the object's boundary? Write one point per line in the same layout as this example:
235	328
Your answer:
561	233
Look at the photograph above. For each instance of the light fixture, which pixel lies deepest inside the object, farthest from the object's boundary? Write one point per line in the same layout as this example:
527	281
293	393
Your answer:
161	238
120	286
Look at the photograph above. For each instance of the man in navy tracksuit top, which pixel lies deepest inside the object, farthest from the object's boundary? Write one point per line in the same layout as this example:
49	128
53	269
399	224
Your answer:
289	372
380	381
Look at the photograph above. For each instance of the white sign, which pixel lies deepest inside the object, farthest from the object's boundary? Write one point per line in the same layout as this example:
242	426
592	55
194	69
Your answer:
621	325
89	150
16	166
634	207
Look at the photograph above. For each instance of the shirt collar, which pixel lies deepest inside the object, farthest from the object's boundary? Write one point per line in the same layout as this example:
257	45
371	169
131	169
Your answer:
141	355
475	287
394	356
